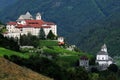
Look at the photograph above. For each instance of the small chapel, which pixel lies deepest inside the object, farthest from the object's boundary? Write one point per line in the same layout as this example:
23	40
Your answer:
103	59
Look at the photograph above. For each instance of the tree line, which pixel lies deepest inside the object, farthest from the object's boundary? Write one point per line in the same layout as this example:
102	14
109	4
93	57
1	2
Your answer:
50	68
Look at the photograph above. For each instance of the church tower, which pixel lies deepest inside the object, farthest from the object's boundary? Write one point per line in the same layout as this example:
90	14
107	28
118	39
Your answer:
38	16
103	59
104	48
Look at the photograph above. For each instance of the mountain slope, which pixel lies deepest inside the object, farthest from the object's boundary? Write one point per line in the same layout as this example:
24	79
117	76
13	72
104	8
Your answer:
106	31
5	3
69	15
11	71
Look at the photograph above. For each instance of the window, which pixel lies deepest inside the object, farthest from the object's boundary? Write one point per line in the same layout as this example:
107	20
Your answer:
21	29
102	58
98	58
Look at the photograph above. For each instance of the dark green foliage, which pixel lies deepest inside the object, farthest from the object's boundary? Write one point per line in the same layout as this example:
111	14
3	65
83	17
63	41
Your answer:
6	57
50	68
61	70
111	77
9	43
42	34
92	61
93	37
108	75
113	68
2	28
5	3
78	74
94	70
28	40
47	43
77	49
1	23
51	35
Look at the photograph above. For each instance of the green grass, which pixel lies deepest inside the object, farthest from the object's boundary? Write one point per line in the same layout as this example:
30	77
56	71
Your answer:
117	61
7	52
64	52
47	43
67	61
66	58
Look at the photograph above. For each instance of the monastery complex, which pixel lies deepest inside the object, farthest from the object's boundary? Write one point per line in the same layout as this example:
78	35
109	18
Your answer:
27	24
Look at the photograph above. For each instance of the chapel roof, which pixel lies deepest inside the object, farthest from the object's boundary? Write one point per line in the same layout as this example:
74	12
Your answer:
25	16
83	58
111	59
38	14
104	46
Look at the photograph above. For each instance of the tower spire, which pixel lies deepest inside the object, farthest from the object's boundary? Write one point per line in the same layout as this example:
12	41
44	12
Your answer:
38	16
104	48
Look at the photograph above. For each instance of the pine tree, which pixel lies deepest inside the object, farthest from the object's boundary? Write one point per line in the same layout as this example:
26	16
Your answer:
42	34
51	35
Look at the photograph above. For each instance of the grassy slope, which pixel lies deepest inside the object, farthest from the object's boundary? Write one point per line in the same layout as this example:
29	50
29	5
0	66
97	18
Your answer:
62	51
66	58
51	48
48	43
4	51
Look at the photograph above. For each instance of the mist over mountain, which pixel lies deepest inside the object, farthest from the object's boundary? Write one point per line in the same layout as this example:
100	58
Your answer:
86	23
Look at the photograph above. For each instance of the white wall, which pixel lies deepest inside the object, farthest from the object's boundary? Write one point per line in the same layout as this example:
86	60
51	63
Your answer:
33	31
60	39
12	29
54	29
102	57
103	63
47	30
110	62
14	35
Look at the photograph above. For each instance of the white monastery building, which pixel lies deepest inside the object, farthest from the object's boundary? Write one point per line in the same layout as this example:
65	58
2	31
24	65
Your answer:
103	59
27	24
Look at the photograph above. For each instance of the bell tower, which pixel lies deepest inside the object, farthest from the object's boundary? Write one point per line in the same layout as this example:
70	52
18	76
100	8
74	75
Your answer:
104	48
38	16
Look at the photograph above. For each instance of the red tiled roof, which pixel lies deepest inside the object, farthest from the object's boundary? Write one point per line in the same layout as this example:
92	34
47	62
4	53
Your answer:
84	58
20	26
49	23
12	23
46	26
34	23
61	43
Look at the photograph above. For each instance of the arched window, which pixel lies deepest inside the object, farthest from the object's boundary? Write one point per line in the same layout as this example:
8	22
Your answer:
102	58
